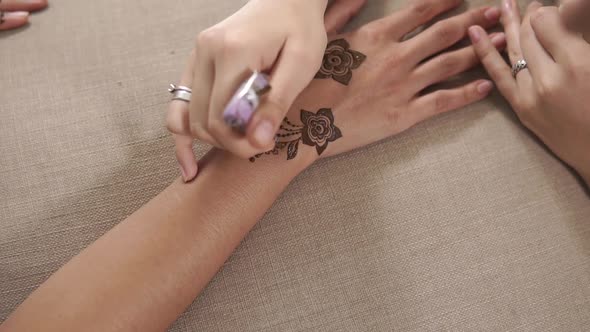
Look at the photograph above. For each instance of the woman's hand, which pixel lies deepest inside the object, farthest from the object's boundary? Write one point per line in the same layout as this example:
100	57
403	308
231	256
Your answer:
369	86
15	13
286	37
552	96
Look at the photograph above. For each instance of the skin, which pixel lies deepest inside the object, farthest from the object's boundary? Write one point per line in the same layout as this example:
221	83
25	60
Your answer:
286	38
552	96
15	13
142	274
575	15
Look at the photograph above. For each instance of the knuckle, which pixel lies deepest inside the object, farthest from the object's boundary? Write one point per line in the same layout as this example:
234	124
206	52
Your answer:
373	32
219	40
423	9
447	32
209	37
441	102
448	64
547	88
233	42
539	14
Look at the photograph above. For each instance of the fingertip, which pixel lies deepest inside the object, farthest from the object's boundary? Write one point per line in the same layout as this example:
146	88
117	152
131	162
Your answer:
499	40
484	87
188	166
262	134
12	20
475	33
262	129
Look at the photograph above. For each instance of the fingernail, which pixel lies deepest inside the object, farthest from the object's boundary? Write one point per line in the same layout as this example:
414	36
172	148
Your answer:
187	174
15	15
493	14
264	133
184	174
508	4
475	34
485	87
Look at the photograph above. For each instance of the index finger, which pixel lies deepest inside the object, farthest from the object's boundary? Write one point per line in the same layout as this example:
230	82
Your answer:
493	62
511	21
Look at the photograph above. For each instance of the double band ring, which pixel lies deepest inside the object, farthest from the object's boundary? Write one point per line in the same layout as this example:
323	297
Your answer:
180	93
518	67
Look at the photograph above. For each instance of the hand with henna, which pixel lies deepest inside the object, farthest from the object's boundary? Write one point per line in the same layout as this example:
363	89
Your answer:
370	82
285	39
15	13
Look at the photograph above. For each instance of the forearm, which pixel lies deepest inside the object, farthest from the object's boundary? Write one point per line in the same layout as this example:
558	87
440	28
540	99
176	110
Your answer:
142	274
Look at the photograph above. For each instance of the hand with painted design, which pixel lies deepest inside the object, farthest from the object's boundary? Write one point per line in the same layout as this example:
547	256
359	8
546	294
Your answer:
552	95
370	84
15	13
285	39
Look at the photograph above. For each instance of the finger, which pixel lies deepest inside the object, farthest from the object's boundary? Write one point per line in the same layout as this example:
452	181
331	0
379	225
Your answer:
293	72
445	34
203	77
493	62
340	13
186	157
553	35
178	123
22	5
450	64
511	22
539	61
13	20
420	12
443	101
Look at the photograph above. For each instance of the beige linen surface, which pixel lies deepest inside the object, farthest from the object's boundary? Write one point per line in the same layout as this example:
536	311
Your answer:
464	223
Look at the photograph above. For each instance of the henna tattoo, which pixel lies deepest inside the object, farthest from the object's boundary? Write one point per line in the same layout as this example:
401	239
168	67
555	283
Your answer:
339	61
317	130
1	15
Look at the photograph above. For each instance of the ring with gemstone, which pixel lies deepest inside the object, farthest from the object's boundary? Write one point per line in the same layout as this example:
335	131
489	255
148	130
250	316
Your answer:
518	67
245	101
180	93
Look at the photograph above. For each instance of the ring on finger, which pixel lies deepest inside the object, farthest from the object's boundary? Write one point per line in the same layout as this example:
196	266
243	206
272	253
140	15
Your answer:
519	66
182	93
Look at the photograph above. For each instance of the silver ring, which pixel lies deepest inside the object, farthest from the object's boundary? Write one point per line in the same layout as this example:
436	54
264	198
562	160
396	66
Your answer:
519	66
180	93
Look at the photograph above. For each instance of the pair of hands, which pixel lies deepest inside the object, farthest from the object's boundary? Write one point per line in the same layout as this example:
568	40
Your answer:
552	96
382	98
15	13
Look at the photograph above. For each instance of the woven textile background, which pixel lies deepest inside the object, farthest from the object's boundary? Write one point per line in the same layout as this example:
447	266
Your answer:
464	223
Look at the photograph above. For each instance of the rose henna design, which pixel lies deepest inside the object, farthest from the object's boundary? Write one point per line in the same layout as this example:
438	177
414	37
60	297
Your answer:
316	130
339	61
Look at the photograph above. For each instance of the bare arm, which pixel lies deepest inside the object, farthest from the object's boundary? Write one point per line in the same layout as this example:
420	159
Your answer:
142	274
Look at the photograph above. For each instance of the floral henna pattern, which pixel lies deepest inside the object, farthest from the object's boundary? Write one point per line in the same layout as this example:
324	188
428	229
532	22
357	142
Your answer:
339	61
317	130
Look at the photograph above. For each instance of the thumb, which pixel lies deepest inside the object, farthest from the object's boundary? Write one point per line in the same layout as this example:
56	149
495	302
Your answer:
340	13
294	70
